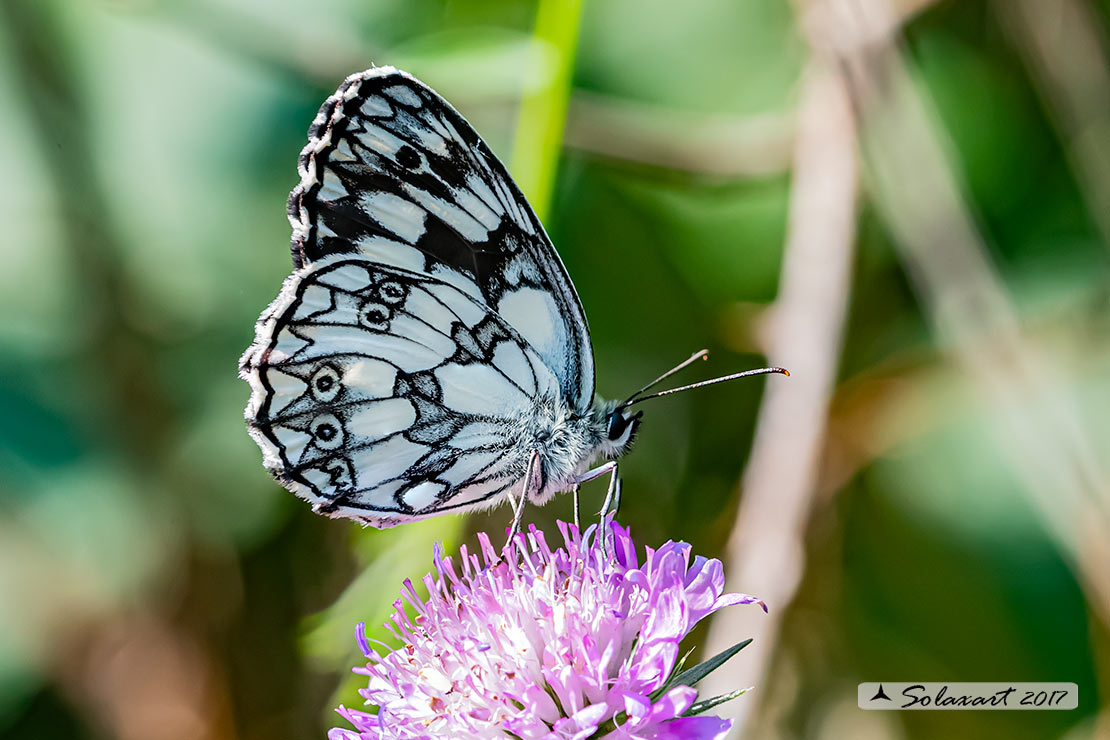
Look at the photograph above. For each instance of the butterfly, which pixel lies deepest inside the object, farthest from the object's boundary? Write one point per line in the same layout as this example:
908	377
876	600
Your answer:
429	353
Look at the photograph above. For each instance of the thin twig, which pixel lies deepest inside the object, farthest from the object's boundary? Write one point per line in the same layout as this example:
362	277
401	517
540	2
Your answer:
1065	50
918	194
756	145
765	553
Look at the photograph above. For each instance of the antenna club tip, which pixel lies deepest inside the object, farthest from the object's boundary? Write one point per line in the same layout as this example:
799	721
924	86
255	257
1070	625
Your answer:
784	371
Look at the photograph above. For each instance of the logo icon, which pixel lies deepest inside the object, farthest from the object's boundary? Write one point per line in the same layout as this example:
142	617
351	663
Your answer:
880	694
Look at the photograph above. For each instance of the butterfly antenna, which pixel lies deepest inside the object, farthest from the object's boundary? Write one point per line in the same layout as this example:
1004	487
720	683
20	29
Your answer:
701	354
734	376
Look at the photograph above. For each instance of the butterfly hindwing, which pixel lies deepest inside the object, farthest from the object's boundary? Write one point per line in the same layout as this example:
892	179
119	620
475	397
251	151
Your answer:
385	394
393	173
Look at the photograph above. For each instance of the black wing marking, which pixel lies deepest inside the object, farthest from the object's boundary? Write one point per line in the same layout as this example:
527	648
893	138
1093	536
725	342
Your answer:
393	172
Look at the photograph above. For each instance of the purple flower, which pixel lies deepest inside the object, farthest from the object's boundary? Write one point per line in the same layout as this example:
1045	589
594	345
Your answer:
559	644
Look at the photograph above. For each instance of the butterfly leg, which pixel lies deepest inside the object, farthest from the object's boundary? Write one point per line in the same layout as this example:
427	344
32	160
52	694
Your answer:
613	491
600	470
577	525
609	506
518	506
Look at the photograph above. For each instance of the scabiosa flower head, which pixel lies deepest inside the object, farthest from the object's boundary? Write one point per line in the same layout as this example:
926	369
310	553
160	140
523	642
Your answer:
571	643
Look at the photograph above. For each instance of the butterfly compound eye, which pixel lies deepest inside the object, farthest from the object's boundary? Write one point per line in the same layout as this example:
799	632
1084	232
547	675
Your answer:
617	425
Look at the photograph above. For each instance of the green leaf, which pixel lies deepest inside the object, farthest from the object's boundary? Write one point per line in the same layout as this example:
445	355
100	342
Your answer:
681	663
700	707
691	676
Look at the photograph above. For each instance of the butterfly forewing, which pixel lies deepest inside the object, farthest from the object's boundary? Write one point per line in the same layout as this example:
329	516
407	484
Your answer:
389	395
393	173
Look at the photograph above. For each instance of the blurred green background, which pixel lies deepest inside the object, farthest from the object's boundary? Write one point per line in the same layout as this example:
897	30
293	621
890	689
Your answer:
927	498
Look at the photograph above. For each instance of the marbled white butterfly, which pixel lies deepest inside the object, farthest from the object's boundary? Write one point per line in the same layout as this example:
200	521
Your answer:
429	353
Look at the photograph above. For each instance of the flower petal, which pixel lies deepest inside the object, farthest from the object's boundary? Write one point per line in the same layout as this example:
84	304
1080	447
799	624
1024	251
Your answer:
690	728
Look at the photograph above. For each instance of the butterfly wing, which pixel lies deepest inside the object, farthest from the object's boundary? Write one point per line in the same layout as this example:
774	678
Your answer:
394	173
388	395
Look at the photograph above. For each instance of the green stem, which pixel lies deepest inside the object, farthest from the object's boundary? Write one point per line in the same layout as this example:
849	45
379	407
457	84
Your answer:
543	109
